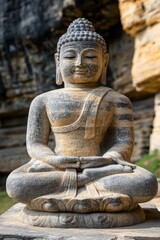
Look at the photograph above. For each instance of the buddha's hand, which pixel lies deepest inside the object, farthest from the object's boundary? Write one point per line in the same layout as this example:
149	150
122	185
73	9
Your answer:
91	174
95	161
123	163
64	162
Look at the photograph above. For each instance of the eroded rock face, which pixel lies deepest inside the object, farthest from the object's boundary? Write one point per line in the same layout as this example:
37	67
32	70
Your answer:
141	20
146	61
25	72
155	136
12	145
143	124
121	53
136	15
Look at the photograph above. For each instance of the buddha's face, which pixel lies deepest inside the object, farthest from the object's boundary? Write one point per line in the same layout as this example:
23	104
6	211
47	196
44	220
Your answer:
81	62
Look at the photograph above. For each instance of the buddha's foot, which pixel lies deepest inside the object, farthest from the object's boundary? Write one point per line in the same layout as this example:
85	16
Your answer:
117	203
48	205
111	203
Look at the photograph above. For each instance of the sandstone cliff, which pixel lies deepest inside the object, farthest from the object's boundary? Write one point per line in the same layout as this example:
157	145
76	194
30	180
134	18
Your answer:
141	19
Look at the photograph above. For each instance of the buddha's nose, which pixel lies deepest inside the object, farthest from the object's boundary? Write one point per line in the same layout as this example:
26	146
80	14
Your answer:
79	61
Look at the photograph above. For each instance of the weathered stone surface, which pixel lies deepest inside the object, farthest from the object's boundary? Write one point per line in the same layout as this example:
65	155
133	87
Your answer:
32	20
142	20
121	53
11	229
12	158
155	136
12	143
136	15
146	63
13	151
143	124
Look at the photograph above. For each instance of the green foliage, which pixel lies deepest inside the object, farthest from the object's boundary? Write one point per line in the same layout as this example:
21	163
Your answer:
151	162
5	202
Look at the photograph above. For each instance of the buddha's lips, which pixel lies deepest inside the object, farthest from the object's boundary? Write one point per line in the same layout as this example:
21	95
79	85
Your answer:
80	71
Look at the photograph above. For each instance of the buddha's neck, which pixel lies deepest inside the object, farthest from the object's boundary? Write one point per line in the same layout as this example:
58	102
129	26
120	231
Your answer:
81	85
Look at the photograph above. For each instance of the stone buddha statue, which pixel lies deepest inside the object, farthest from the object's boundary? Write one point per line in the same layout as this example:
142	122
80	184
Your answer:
87	179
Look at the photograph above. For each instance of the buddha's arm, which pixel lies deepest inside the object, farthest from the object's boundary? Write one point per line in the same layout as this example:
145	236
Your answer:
121	131
38	130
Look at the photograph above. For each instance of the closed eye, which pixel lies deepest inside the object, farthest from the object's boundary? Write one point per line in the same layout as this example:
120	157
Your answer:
91	56
69	57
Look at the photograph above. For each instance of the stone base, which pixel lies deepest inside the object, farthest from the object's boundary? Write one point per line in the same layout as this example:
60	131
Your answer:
12	228
81	220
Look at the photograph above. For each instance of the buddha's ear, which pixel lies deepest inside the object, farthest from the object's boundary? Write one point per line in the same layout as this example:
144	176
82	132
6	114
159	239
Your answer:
104	68
106	59
59	79
56	59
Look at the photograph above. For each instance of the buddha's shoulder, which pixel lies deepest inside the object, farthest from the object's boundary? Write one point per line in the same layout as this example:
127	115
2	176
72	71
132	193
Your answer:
44	98
46	95
116	97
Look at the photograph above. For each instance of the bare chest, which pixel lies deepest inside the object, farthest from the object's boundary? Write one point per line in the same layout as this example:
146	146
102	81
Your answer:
65	109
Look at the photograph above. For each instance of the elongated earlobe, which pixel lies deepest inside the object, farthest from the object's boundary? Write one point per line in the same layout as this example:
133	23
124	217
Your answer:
103	77
59	79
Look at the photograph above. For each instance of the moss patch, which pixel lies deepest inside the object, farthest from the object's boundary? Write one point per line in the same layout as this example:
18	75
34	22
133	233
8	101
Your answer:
151	162
5	202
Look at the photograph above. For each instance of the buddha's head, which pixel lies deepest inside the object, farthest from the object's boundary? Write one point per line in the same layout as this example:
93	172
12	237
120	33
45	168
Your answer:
81	55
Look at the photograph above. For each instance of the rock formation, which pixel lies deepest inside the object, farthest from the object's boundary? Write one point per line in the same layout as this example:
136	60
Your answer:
155	136
143	123
141	19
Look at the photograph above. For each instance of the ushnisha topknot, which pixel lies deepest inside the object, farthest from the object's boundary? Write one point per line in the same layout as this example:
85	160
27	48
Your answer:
81	30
